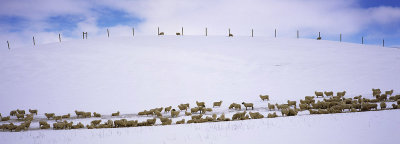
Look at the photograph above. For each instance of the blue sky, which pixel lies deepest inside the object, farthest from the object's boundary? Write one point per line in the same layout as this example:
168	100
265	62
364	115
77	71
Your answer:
373	19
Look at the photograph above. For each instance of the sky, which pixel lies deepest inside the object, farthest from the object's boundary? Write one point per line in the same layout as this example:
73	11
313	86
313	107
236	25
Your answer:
374	20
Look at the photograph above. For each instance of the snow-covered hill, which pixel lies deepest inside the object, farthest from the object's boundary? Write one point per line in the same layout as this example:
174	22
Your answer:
133	74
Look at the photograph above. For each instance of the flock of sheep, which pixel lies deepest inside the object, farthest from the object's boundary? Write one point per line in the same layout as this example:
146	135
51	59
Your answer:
331	104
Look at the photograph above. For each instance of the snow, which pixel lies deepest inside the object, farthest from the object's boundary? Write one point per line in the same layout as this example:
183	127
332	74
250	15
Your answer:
105	75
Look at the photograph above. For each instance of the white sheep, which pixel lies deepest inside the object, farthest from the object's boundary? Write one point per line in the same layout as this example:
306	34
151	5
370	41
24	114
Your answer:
389	92
66	116
33	111
49	115
271	106
182	107
248	105
341	94
167	109
188	113
328	93
174	113
96	114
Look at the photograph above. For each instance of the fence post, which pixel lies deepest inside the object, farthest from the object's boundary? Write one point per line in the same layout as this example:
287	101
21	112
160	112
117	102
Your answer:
362	40
59	37
206	31
8	44
275	33
340	37
252	32
182	31
108	33
133	32
83	35
158	31
229	30
297	34
33	39
383	42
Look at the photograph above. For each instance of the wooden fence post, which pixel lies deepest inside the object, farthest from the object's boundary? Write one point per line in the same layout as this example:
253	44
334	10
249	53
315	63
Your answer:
8	44
33	39
383	42
340	37
158	30
229	30
297	34
182	31
108	33
252	32
59	37
362	40
133	32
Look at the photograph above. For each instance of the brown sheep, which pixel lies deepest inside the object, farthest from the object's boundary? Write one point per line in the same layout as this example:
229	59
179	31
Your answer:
79	113
57	118
49	115
167	122
197	116
167	109
328	93
304	107
5	118
157	113
218	104
115	114
309	97
20	111
96	114
87	114
394	106
181	121
238	115
20	116
383	105
41	123
95	122
182	107
66	116
175	113
33	111
285	111
341	94
271	106
382	97
291	103
13	113
151	122
200	104
246	105
256	115
273	115
264	97
389	92
319	94
120	123
194	110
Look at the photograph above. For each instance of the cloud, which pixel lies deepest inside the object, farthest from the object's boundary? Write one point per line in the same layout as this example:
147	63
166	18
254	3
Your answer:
288	16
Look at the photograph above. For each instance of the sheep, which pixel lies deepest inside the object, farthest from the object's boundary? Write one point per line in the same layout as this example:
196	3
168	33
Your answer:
13	113
96	114
33	111
68	125
95	122
376	92
394	106
218	104
309	97
353	110
235	106
383	105
181	121
5	118
120	123
248	105
292	112
151	121
157	113
394	98
223	118
175	113
41	123
358	97
167	122
49	115
238	115
20	111
167	109
285	111
313	111
46	126
389	92
256	115
188	113
20	116
304	107
200	104
341	94
57	118
382	97
115	114
271	106
273	115
264	97
282	106
208	109
197	116
194	110
319	94
323	111
79	113
347	106
328	93
290	103
182	107
87	114
66	116
59	125
161	33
